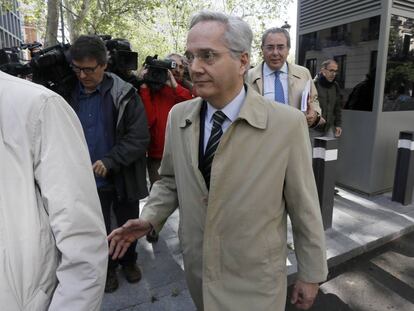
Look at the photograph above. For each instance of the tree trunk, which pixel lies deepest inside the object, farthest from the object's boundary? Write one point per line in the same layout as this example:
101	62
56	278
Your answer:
76	19
52	23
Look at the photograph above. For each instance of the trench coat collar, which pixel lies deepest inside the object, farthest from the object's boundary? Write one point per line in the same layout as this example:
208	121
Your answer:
253	110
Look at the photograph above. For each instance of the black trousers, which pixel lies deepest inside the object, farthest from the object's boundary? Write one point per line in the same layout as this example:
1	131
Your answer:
123	211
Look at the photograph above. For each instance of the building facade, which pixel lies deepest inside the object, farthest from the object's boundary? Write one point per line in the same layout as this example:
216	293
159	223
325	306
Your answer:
373	43
10	25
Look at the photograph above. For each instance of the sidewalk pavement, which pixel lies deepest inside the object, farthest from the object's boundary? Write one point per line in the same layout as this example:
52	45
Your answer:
360	224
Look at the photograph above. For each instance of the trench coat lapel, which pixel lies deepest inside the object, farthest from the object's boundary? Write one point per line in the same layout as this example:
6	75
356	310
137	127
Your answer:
190	123
257	78
253	110
292	77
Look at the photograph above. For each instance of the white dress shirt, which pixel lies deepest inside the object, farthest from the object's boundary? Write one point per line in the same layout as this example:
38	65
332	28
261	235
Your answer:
231	110
269	81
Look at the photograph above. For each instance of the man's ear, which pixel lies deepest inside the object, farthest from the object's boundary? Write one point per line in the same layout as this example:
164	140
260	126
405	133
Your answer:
244	62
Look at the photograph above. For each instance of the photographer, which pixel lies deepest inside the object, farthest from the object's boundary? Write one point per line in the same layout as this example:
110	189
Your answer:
158	102
115	128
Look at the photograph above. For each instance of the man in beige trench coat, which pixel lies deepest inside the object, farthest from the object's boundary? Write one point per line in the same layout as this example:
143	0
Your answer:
294	78
233	228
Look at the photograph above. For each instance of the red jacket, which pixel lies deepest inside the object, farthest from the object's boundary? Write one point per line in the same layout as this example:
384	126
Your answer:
157	106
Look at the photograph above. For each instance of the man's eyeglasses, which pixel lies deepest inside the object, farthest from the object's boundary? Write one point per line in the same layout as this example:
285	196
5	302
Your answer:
208	57
86	70
271	48
332	71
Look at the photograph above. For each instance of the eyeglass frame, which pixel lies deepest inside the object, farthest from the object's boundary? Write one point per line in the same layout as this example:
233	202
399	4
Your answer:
271	47
86	70
210	59
331	71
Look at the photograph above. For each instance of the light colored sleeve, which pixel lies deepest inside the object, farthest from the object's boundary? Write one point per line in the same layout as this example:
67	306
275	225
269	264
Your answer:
163	199
64	175
314	94
303	208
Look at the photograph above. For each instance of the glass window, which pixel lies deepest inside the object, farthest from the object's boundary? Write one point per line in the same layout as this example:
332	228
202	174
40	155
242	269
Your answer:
399	77
352	46
311	65
340	76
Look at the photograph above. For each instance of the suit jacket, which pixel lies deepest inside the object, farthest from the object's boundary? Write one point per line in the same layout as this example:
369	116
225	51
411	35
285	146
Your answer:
298	76
233	237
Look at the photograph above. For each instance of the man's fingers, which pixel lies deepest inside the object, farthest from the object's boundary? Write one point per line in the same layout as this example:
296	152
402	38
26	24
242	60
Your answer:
120	250
295	295
114	233
124	250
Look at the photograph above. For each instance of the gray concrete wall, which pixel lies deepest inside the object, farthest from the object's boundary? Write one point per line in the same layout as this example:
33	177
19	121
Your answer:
355	149
368	149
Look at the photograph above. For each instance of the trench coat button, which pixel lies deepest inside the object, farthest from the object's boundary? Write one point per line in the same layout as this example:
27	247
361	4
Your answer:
204	200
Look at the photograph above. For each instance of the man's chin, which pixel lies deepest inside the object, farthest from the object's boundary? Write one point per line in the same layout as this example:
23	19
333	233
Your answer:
201	91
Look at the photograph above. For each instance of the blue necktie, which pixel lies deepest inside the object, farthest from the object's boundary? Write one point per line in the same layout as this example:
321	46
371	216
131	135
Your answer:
279	94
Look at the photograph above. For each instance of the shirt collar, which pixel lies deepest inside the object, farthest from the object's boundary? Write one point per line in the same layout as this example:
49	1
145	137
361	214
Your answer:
268	72
231	110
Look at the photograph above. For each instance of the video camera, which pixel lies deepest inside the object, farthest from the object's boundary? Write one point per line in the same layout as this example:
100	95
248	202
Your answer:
121	57
51	66
10	62
157	72
122	60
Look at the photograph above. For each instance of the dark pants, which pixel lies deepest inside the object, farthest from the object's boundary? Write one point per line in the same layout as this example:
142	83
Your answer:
123	211
153	165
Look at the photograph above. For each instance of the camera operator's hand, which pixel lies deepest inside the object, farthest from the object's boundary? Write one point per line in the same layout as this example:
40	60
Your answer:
171	82
142	72
99	168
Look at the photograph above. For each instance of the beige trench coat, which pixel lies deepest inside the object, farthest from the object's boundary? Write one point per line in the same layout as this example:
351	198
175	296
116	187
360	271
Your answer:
233	238
298	76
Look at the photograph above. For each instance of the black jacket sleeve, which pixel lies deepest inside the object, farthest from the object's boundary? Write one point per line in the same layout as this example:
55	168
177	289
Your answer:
131	138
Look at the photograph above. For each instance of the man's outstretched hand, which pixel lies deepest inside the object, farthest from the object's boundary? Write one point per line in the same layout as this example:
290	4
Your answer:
120	239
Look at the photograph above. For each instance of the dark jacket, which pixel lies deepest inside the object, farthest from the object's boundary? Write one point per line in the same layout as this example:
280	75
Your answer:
125	116
330	100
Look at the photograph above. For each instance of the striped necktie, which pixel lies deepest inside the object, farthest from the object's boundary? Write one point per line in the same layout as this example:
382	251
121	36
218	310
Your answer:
213	141
279	93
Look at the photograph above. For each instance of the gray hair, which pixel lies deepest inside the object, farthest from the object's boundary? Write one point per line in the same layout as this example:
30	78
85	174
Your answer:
238	35
327	62
174	55
276	30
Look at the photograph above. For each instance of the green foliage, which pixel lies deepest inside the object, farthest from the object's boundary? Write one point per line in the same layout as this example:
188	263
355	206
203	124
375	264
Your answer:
400	74
157	26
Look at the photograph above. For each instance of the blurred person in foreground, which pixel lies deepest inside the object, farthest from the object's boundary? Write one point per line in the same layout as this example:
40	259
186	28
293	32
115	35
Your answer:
52	235
233	203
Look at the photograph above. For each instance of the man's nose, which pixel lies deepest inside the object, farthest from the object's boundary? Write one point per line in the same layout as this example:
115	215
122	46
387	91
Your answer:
275	51
82	74
196	65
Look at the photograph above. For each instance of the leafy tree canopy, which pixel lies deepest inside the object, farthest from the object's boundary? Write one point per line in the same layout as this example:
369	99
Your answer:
152	27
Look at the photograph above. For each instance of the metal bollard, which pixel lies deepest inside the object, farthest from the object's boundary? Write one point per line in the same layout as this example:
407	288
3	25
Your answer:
325	154
402	191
